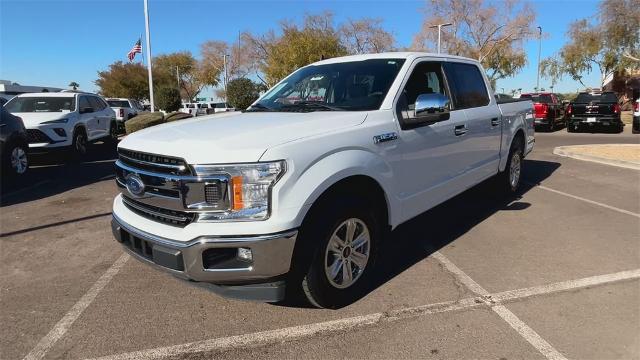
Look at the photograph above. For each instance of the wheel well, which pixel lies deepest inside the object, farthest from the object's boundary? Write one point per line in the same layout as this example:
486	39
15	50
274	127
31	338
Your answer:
360	185
519	135
79	128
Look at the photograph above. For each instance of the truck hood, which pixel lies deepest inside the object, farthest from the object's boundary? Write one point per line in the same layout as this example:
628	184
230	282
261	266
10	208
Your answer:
235	137
33	119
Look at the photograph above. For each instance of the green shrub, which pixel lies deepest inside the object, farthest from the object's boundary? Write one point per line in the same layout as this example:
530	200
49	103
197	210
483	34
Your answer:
168	99
242	92
143	121
176	116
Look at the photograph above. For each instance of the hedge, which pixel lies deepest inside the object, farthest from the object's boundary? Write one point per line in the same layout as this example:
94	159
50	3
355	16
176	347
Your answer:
146	120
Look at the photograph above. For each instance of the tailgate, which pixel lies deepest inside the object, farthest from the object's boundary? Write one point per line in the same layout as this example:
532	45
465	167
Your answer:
594	109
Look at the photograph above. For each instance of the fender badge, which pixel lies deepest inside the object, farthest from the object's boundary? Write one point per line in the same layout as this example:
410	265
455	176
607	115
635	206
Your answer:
384	137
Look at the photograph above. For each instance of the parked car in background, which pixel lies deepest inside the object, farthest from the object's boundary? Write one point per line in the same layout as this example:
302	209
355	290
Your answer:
338	154
500	96
13	144
635	127
222	107
594	111
189	108
64	120
125	109
548	110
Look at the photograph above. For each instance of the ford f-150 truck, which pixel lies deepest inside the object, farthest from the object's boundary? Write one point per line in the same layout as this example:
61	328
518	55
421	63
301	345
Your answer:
295	194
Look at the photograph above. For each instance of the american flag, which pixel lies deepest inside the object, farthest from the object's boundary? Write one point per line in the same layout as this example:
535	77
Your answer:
137	48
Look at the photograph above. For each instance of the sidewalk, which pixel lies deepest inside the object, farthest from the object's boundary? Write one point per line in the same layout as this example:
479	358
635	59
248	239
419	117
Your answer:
623	155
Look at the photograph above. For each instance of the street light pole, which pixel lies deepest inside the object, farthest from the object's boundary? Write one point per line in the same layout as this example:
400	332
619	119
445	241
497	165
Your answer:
439	26
539	50
146	22
225	78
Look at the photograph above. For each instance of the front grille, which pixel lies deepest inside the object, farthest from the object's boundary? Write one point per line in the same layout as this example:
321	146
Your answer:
171	217
35	136
152	162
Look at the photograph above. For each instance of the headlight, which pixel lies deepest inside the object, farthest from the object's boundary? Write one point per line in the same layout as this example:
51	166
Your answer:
249	189
59	121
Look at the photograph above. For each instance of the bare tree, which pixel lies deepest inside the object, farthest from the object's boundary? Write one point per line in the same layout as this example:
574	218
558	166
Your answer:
366	36
492	33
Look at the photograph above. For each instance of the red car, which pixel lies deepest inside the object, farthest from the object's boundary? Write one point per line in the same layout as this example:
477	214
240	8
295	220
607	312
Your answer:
549	111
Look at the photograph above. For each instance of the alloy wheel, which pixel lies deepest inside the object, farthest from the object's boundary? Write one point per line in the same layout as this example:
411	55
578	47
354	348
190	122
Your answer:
19	162
347	253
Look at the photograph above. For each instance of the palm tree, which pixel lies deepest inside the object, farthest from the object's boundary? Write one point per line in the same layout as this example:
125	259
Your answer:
74	85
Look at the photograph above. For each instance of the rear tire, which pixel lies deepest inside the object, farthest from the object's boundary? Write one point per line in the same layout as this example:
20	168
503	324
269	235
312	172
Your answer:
345	242
509	180
112	138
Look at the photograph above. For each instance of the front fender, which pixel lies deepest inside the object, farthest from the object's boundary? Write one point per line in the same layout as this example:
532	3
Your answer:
304	185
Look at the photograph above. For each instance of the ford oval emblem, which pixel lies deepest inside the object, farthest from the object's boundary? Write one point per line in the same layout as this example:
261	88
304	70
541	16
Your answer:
135	185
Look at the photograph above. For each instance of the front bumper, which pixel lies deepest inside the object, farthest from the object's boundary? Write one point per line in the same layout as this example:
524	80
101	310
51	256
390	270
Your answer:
211	259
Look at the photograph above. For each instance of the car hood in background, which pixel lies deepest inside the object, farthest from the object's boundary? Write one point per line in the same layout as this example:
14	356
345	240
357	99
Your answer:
235	137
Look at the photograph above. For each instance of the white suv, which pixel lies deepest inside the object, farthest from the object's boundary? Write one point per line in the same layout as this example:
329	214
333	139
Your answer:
64	120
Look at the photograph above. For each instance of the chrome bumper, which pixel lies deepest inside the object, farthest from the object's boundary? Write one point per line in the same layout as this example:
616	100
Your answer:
193	260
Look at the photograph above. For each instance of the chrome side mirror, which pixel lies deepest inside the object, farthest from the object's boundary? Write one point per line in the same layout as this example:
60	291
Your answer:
434	106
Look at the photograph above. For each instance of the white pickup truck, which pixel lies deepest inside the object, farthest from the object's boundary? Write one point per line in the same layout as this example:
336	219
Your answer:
297	192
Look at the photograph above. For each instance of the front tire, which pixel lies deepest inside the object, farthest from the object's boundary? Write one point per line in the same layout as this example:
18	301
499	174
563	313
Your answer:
80	143
344	258
113	133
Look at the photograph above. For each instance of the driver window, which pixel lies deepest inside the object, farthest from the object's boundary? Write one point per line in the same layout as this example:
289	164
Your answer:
426	78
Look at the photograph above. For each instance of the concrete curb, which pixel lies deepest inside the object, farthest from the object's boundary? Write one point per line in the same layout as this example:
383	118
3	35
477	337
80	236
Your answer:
567	151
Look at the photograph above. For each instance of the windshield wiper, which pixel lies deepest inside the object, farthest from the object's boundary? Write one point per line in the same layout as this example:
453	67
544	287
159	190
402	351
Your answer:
258	107
309	105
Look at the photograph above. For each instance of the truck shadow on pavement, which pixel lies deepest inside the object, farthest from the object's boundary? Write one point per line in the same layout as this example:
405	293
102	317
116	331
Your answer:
432	230
54	173
418	238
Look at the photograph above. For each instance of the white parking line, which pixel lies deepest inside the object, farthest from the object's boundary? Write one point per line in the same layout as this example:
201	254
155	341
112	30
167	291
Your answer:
69	318
623	211
525	331
298	332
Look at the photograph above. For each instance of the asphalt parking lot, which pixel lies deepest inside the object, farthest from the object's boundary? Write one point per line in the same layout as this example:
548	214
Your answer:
553	273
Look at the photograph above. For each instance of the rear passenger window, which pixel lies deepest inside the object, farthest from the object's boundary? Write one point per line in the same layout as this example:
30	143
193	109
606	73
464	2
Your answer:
467	85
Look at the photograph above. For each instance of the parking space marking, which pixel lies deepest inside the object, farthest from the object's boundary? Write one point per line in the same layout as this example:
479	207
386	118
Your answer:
518	325
566	285
69	318
623	211
298	332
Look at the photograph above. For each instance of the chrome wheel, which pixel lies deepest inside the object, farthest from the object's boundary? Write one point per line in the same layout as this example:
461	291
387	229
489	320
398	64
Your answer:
514	170
347	253
81	143
19	162
113	132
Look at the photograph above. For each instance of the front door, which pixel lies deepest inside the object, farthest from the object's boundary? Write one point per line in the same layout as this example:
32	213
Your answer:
431	156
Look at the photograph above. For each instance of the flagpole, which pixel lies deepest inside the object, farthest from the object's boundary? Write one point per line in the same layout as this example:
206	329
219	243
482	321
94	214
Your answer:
146	18
141	50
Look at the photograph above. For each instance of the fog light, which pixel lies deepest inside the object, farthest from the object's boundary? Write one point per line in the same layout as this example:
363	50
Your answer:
245	254
60	132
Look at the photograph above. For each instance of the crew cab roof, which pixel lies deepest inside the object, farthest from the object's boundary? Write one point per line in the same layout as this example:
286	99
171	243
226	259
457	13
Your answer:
409	55
48	94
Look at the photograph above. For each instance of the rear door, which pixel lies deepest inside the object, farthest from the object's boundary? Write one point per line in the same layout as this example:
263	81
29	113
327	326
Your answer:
88	118
479	150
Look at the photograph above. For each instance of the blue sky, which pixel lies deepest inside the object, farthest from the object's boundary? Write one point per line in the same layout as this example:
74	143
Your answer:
54	42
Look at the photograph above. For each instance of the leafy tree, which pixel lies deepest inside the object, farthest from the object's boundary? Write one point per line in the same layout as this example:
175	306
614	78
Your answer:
124	80
366	36
491	32
299	45
606	43
74	85
168	99
193	75
242	92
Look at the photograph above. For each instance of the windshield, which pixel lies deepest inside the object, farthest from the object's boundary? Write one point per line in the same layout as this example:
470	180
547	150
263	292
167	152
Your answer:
349	86
118	103
607	97
41	104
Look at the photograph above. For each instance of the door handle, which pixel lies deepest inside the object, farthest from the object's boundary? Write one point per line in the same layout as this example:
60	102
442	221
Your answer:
460	130
495	121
